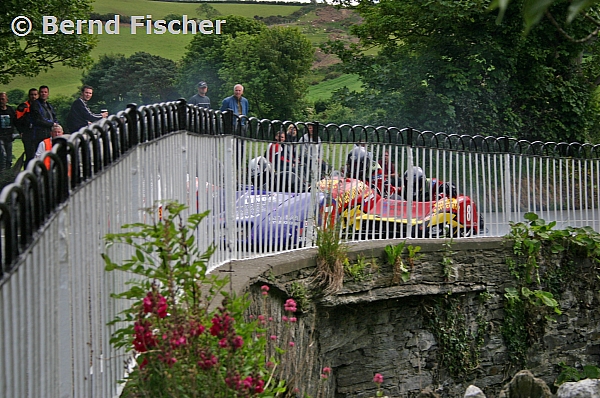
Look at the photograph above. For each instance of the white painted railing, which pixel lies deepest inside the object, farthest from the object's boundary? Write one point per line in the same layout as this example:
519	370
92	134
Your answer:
55	297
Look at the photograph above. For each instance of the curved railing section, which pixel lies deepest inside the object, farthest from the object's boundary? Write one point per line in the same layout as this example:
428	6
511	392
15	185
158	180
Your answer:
37	191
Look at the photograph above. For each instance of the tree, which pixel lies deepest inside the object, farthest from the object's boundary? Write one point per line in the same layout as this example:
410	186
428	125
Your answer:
272	66
205	56
534	10
142	79
449	66
35	52
207	11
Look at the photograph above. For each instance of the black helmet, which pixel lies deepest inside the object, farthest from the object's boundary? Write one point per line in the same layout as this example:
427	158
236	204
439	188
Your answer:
358	163
418	179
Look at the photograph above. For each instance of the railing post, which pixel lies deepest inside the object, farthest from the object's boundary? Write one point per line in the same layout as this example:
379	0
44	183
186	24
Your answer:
62	149
228	123
132	128
182	114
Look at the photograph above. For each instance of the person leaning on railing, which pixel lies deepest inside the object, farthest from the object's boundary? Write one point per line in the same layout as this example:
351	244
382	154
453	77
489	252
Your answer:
80	114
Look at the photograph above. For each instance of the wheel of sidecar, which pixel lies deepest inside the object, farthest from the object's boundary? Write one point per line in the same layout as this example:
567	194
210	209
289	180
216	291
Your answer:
438	231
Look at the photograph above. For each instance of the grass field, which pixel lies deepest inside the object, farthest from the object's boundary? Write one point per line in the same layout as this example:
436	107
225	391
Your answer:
159	9
66	81
323	90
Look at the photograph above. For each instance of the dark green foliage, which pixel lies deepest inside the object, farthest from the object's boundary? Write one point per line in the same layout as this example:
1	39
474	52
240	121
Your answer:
460	339
141	79
36	52
549	261
270	63
569	373
447	66
205	56
272	66
16	96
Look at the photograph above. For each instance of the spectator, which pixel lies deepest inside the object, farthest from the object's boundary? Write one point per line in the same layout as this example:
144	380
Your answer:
237	104
292	134
46	144
80	114
7	129
279	154
25	124
311	149
43	115
201	99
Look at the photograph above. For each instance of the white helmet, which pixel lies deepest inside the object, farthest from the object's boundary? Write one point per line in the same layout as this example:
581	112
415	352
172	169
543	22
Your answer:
258	166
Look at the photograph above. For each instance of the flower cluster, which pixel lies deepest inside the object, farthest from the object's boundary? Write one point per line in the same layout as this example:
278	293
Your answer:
179	343
378	379
155	303
290	305
326	373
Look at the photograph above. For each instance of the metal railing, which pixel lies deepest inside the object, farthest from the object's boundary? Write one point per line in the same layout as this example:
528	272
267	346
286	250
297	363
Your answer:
55	295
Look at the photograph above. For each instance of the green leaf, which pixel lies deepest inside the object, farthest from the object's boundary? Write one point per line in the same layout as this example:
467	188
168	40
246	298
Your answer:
531	216
140	255
577	6
533	11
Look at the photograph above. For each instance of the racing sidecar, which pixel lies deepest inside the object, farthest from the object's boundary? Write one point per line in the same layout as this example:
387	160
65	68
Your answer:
365	213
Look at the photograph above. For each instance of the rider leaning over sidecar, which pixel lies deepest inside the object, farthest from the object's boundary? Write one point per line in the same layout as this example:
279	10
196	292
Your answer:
360	166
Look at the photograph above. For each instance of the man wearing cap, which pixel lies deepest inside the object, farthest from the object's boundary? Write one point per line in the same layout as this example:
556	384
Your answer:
201	99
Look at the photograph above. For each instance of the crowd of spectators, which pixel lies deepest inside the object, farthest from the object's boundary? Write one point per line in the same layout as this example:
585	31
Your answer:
34	121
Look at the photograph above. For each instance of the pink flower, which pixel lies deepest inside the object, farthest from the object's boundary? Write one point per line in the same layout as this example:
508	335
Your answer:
292	344
247	382
161	307
273	337
290	305
326	370
264	288
293	319
207	361
259	386
237	342
284	318
271	318
223	343
222	325
378	378
143	338
155	304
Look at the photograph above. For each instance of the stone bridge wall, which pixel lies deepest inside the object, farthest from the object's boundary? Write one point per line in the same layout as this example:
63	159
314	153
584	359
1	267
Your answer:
439	330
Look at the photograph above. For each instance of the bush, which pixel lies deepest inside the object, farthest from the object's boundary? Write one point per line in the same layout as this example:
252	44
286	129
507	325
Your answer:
183	347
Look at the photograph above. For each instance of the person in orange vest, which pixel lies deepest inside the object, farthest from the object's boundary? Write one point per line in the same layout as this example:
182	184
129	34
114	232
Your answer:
25	125
46	145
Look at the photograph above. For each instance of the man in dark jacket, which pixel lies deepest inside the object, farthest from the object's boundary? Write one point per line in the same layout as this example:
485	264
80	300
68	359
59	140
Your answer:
80	114
7	129
43	115
25	124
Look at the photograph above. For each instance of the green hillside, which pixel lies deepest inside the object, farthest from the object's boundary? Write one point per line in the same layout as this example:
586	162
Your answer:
317	27
323	90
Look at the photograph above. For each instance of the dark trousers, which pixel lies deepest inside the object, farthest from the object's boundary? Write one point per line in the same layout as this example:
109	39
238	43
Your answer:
5	153
30	145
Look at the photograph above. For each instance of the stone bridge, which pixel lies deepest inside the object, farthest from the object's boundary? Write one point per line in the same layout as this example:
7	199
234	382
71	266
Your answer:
442	329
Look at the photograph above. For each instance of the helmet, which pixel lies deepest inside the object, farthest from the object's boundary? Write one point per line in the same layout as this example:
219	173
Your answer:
358	163
258	166
416	177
